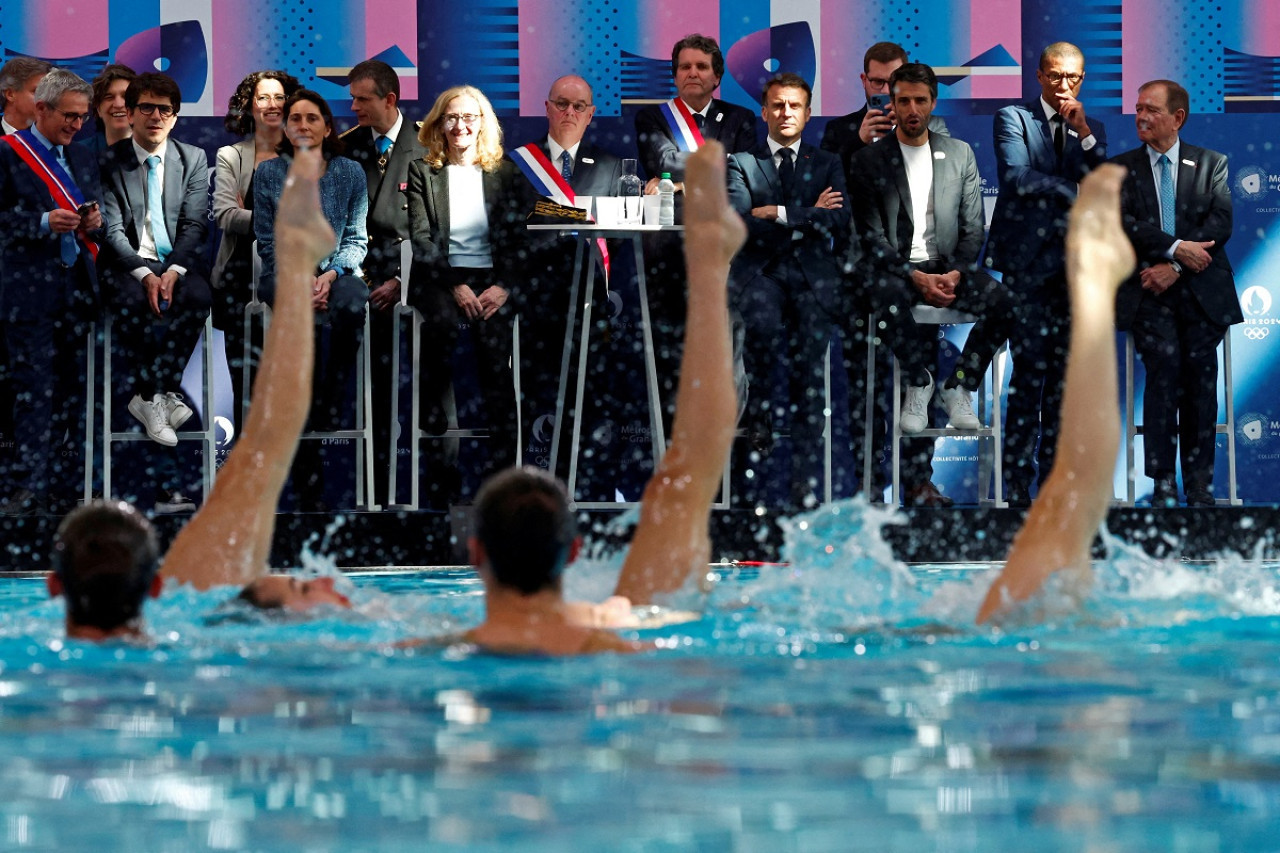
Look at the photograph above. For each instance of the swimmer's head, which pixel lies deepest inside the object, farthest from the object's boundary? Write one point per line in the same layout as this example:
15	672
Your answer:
286	592
524	532
105	560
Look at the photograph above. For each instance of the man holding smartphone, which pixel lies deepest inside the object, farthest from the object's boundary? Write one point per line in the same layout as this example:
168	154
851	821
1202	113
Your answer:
49	231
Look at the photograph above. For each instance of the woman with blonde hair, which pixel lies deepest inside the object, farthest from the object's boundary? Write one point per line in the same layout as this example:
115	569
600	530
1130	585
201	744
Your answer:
466	218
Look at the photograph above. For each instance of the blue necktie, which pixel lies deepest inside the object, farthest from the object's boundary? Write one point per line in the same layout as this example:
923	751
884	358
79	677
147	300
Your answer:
384	144
1167	196
155	208
566	165
69	249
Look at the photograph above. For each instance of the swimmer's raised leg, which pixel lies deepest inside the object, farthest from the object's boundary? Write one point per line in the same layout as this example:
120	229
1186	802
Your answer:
229	539
1060	526
671	538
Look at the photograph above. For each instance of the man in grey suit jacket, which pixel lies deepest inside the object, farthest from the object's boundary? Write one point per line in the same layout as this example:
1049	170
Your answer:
785	282
1176	205
1043	151
384	143
918	209
156	261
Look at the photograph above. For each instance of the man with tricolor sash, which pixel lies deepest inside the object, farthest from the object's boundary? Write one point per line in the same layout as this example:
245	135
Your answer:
564	168
49	231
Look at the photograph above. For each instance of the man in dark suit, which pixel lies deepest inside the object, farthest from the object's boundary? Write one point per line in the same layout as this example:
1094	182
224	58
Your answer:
1176	205
384	144
1043	150
849	134
917	206
786	280
587	170
49	225
156	207
665	135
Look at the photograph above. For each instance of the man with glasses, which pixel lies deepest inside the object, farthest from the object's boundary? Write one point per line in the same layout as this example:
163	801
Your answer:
1043	151
564	168
156	209
384	145
49	231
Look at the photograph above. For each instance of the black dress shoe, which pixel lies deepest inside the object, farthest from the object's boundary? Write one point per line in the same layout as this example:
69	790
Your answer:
1165	493
23	502
1200	497
1016	497
925	494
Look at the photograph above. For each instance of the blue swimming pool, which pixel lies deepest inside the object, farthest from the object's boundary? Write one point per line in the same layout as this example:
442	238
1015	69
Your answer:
840	703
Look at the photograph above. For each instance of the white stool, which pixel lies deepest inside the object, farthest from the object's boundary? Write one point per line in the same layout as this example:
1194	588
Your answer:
208	436
362	434
1227	427
989	464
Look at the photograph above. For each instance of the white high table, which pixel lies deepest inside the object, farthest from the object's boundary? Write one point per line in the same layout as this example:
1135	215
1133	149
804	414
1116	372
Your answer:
588	254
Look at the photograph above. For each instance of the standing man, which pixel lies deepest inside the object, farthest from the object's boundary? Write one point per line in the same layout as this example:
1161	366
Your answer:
786	280
561	166
918	208
666	134
1176	205
1043	150
49	228
384	145
156	209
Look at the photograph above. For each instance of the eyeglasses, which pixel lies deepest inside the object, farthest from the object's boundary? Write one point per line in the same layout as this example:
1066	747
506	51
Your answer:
452	119
1055	78
165	110
72	118
563	104
263	100
878	82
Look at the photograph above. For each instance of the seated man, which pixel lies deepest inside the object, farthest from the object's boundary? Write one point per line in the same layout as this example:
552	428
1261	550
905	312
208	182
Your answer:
917	204
1064	519
228	540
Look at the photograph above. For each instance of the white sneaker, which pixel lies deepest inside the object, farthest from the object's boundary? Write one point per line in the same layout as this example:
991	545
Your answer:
915	407
174	504
959	407
154	416
179	411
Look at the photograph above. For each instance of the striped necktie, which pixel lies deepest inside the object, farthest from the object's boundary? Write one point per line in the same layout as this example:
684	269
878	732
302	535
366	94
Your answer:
1167	195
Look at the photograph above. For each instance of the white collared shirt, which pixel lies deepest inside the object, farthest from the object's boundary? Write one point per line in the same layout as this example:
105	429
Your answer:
8	128
1154	156
774	148
393	133
556	149
1049	112
146	239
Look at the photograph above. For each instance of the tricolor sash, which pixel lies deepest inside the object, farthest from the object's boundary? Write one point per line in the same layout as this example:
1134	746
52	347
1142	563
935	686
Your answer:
683	128
61	186
548	181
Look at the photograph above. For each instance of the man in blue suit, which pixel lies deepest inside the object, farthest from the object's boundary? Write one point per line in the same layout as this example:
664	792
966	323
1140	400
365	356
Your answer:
786	280
1177	211
1043	150
49	228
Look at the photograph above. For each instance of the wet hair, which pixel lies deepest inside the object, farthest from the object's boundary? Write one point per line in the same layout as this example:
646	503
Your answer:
914	72
59	82
102	83
706	44
160	85
17	71
239	117
522	519
1060	50
384	77
106	555
883	52
332	145
1176	97
790	80
488	138
254	595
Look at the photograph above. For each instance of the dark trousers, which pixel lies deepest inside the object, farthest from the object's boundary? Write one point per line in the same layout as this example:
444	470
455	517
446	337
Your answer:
45	327
156	361
1038	344
1178	345
667	284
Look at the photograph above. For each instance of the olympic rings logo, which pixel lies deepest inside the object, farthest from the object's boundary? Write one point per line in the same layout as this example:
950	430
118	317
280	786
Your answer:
1256	333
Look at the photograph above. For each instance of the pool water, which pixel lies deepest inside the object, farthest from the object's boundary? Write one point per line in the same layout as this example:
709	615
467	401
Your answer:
840	703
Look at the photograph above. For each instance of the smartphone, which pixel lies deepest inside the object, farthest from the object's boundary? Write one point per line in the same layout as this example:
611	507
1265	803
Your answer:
879	102
87	208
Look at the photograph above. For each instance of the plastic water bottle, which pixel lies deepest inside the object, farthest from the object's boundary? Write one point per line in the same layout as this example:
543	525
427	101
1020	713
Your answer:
630	188
666	200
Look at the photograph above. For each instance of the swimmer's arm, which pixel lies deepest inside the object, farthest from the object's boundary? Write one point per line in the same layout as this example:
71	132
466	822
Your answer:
1062	523
671	538
229	539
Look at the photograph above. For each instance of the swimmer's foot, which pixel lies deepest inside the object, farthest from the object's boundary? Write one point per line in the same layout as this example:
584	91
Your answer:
712	229
1099	254
300	223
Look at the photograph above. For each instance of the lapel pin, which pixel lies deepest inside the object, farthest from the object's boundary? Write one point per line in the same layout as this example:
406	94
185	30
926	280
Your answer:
719	116
939	155
587	160
1073	133
1188	163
